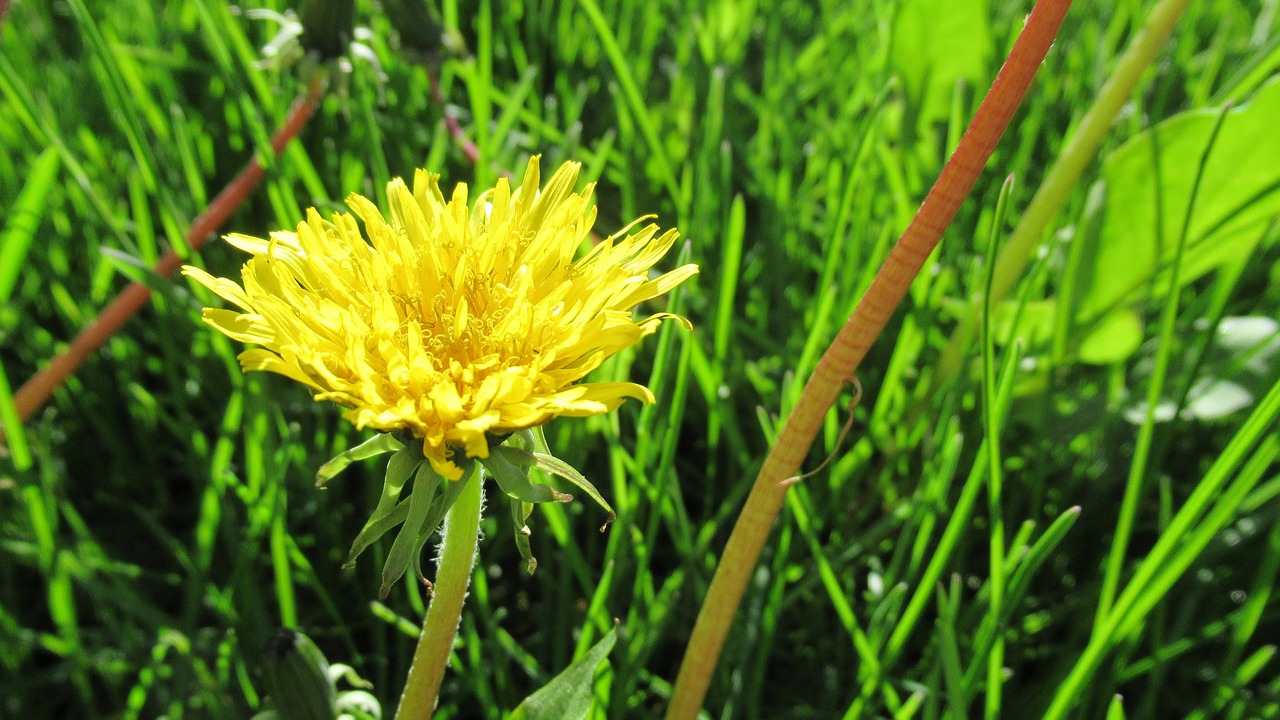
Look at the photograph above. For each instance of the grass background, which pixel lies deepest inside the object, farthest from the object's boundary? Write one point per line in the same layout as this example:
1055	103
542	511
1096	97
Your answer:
168	525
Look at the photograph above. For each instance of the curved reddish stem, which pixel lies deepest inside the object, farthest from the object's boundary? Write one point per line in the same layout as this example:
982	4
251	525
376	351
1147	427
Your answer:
36	392
850	346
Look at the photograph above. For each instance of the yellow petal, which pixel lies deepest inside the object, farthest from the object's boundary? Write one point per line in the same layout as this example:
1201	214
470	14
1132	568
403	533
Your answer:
450	319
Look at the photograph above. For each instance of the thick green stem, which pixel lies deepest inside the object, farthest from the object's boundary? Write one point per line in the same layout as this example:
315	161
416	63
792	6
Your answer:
457	555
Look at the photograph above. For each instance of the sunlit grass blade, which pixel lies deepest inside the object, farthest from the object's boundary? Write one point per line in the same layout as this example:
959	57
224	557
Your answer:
1195	524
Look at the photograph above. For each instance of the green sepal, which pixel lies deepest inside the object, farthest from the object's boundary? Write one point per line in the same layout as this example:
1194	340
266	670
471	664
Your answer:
509	467
510	463
399	469
519	515
375	529
376	445
554	465
403	549
530	439
439	508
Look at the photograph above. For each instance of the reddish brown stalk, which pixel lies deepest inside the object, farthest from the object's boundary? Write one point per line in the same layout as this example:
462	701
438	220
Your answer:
742	552
36	391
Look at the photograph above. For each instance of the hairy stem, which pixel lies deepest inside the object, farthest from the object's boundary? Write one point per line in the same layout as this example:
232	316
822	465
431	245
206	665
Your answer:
457	555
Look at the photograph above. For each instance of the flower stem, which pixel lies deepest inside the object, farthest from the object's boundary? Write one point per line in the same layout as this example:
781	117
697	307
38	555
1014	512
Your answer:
869	318
457	555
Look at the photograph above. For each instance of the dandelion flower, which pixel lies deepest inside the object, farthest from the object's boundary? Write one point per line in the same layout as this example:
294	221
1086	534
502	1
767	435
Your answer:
452	320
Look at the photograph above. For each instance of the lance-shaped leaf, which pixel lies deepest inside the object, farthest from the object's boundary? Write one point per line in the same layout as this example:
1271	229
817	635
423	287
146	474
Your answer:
403	549
510	468
376	445
568	695
387	515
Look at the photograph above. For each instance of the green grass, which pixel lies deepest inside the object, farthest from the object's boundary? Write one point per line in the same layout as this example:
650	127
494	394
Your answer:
158	520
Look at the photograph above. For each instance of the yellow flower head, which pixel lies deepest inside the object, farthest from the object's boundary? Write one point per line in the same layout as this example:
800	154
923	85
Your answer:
453	319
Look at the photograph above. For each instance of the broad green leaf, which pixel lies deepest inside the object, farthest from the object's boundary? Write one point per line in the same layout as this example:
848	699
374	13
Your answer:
937	43
1149	185
1139	208
568	695
1034	322
1114	338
